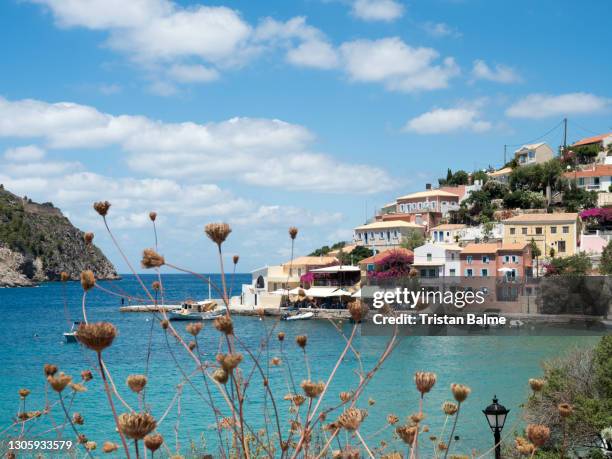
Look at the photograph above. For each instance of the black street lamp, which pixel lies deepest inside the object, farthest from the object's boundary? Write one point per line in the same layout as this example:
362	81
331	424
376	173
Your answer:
496	417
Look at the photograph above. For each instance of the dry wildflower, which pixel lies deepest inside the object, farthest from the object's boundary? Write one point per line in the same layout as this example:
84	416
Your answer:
425	429
77	387
11	455
424	381
351	418
78	419
565	410
86	375
393	455
460	392
110	447
224	324
358	310
293	232
275	361
442	446
156	286
96	336
217	232
523	446
392	419
23	393
88	237
229	361
295	426
298	399
50	369
91	445
449	408
59	382
136	425
88	280
220	375
192	345
407	433
371	402
136	382
24	416
301	341
235	259
345	396
313	389
152	216
82	439
281	336
459	456
165	324
536	384
102	207
194	328
433	438
417	417
64	276
153	442
151	259
537	434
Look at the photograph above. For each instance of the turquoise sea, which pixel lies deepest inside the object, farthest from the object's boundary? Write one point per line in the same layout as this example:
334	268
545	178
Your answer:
33	320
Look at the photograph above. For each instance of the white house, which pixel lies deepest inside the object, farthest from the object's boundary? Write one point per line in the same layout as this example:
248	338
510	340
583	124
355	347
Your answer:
604	142
437	260
447	233
501	175
476	234
536	153
386	234
428	201
595	178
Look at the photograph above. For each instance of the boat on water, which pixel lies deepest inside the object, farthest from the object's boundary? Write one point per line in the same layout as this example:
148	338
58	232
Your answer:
70	336
197	310
297	315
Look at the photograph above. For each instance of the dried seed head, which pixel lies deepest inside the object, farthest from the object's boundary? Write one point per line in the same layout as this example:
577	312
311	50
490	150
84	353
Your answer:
293	232
110	447
64	276
345	396
192	345
88	238
152	216
82	439
301	341
151	259
229	361
416	418
136	382
50	369
23	393
358	310
449	408
298	399
371	402
96	336
281	336
313	389
424	381
523	446
224	324
393	455
136	425
78	387
351	418
88	280
226	423
460	392
153	442
537	434
156	286
407	433
90	445
86	375
217	232
442	446
275	361
59	382
536	384
235	259
194	328
165	324
78	419
102	207
565	410
392	419
220	375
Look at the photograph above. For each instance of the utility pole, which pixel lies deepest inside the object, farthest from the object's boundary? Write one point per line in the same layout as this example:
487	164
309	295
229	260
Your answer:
564	134
505	146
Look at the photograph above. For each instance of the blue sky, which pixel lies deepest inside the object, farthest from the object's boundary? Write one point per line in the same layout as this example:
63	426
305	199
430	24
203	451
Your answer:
270	114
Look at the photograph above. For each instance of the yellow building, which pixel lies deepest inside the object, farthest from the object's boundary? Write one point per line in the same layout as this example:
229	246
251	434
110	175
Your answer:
560	232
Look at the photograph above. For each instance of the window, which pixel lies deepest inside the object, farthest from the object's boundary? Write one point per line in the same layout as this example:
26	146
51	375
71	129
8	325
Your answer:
484	272
429	257
370	267
452	272
485	259
452	255
512	231
513	258
423	273
532	155
538	230
561	246
596	181
433	204
523	230
507	259
469	272
581	181
565	229
469	259
553	230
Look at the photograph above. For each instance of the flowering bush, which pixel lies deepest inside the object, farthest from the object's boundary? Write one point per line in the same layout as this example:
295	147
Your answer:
395	264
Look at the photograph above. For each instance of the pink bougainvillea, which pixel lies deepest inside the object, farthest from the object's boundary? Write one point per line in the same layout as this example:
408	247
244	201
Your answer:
395	264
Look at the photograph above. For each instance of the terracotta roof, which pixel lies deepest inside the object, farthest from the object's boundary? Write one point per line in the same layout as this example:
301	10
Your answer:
504	171
381	255
312	261
390	224
543	218
600	170
429	194
589	140
532	146
479	248
449	226
512	246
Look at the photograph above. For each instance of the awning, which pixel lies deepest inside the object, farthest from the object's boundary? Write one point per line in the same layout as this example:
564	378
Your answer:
326	292
336	269
357	294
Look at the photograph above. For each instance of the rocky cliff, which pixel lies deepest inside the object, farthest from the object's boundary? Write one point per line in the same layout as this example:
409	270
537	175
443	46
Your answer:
37	243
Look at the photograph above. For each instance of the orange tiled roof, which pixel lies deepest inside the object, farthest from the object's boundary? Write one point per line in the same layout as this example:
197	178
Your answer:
479	248
589	140
543	218
600	170
512	246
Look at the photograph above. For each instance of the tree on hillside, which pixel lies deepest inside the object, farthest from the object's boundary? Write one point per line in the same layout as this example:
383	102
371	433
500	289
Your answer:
480	175
576	199
605	264
459	178
536	253
359	253
412	239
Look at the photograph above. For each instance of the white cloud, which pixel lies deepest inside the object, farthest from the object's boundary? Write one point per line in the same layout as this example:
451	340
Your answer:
192	73
265	152
377	10
500	73
546	105
110	89
314	53
440	29
445	120
25	153
397	65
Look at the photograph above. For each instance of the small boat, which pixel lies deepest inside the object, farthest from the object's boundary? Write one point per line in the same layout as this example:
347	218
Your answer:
299	316
70	336
197	310
516	323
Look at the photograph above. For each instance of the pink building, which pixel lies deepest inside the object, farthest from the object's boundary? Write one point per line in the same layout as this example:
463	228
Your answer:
496	260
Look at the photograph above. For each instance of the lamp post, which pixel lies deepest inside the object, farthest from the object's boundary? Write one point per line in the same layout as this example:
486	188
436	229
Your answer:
496	417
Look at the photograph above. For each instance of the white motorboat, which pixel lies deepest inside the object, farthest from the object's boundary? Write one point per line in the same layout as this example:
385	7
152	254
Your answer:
299	316
70	336
198	310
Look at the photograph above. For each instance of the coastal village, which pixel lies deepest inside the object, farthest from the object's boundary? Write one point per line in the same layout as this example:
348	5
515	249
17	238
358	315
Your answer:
542	213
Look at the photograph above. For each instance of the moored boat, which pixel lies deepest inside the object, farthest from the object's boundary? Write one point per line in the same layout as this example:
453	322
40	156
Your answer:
299	316
70	336
197	310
